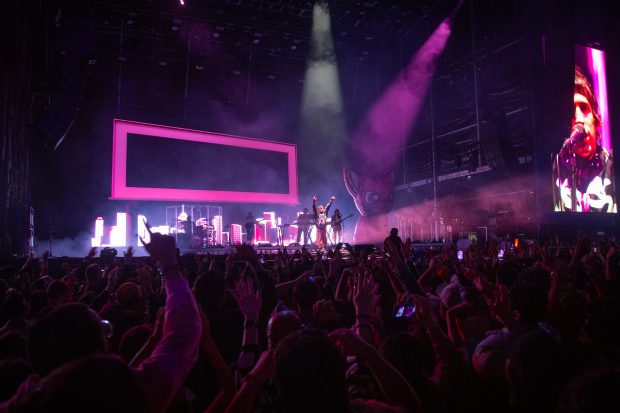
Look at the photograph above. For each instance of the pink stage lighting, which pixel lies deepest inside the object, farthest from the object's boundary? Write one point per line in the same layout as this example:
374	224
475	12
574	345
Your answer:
120	190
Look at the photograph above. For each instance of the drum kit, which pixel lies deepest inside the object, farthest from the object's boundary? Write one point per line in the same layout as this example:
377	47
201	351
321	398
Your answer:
204	234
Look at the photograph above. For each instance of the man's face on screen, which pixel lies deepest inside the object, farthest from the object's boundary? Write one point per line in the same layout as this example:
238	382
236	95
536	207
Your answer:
584	116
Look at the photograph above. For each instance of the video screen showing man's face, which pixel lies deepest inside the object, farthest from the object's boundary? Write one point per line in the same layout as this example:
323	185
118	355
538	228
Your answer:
583	167
585	116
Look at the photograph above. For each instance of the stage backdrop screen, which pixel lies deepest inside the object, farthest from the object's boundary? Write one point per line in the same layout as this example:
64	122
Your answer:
154	162
583	179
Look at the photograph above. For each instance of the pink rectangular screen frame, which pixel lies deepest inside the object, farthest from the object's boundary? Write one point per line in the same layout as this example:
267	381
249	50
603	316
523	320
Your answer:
120	190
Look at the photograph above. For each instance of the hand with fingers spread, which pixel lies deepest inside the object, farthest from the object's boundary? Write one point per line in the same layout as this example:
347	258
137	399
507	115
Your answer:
365	295
248	298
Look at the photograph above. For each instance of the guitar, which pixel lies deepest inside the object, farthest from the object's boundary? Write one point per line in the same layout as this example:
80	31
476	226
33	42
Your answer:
340	221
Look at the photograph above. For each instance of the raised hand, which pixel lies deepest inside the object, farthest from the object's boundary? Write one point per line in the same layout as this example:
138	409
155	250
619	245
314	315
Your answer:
324	311
315	198
365	295
162	248
248	299
332	198
129	253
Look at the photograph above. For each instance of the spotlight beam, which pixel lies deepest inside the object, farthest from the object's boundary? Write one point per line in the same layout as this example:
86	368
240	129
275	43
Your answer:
392	117
322	117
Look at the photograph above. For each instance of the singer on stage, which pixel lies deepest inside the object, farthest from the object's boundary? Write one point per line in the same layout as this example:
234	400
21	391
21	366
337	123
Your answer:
583	169
320	215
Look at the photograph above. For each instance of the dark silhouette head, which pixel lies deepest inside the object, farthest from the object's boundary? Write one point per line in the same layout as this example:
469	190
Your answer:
310	373
65	333
91	384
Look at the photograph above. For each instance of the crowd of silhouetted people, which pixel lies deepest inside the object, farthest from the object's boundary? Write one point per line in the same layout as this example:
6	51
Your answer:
394	329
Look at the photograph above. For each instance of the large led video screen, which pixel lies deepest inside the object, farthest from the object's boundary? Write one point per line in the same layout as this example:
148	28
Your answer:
583	179
154	162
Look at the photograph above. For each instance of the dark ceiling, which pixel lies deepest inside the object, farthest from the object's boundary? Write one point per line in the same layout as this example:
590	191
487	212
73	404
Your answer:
276	27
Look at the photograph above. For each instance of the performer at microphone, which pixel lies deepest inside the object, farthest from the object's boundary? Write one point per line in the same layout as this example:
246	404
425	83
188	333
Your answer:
320	214
583	169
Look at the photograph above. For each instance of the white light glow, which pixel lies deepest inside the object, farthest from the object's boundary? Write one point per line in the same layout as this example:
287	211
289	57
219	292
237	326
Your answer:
118	233
96	241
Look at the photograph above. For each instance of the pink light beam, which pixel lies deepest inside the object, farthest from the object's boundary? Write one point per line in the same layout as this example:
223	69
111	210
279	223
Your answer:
392	117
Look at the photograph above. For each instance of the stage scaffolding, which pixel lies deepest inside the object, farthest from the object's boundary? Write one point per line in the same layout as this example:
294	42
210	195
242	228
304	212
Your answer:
200	215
